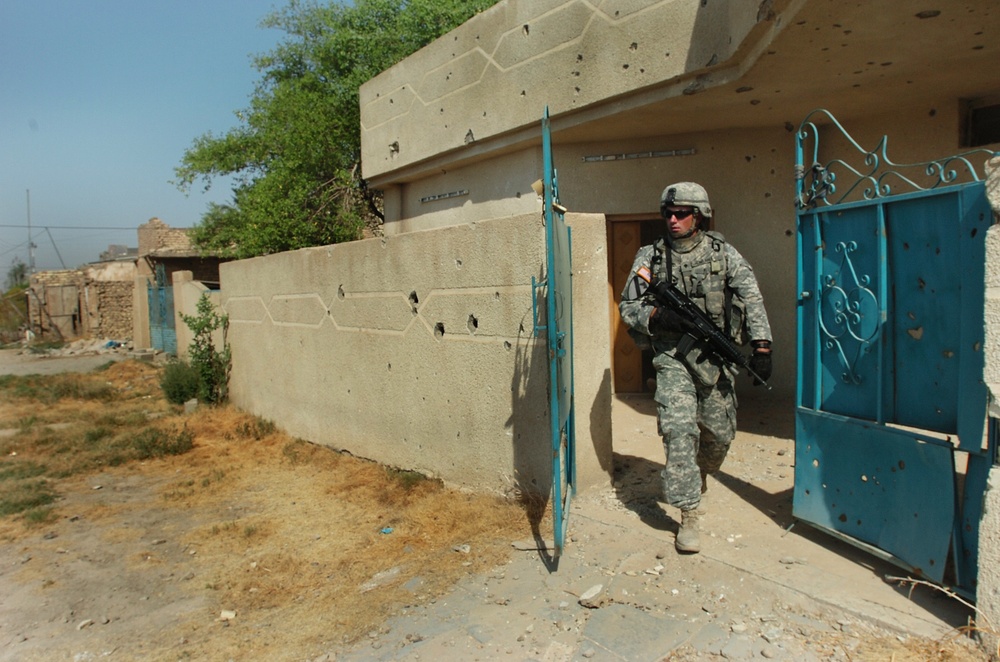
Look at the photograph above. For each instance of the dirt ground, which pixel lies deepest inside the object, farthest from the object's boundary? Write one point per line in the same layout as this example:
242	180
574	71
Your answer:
156	560
257	546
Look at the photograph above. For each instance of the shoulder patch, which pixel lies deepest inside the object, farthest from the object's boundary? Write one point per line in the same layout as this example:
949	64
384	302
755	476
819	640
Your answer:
644	274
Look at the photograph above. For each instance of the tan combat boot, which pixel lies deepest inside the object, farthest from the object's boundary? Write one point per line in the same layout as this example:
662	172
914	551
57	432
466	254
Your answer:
687	537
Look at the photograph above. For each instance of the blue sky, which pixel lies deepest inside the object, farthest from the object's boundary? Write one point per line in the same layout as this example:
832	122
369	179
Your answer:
99	99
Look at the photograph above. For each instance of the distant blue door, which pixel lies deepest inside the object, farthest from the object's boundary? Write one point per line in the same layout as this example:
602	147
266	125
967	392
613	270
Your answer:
162	331
892	440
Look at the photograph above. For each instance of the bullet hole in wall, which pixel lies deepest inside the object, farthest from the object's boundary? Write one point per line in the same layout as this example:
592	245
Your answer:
340	292
473	323
439	330
413	301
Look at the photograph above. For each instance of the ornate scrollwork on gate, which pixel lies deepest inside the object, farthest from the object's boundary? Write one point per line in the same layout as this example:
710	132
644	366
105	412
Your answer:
836	181
849	316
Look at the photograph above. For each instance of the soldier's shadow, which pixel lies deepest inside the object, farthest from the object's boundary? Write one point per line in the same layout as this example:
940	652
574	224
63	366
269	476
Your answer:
638	487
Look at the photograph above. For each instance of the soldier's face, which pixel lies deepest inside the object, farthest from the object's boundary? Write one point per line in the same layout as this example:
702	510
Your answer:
680	220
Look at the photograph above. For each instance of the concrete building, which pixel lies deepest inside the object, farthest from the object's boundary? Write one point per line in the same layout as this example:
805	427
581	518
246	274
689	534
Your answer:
417	349
646	93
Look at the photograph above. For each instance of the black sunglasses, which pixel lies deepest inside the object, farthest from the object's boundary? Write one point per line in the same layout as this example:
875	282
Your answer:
680	214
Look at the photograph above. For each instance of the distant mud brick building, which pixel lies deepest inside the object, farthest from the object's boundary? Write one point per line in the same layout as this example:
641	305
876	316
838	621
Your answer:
54	309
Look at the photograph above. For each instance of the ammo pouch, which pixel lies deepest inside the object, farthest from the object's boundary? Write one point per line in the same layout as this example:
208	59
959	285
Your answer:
701	361
737	320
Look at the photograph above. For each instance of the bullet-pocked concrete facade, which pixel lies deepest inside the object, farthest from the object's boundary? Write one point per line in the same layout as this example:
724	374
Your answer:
341	341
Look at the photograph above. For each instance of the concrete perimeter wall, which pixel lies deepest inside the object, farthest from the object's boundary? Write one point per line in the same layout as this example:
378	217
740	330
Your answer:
187	294
417	350
988	587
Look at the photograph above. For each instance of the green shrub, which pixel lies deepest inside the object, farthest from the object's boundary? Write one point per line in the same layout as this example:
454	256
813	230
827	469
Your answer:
22	496
154	442
180	382
213	364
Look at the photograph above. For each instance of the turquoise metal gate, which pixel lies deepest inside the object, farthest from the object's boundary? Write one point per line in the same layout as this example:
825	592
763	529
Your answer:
892	442
160	296
558	330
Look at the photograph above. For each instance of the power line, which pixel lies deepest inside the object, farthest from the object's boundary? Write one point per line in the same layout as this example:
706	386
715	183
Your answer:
72	227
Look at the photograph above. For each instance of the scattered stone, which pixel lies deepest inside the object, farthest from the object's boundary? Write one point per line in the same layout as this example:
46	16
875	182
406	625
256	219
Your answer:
791	560
50	535
480	633
97	487
227	615
589	653
379	579
84	623
738	648
739	627
463	549
191	406
769	651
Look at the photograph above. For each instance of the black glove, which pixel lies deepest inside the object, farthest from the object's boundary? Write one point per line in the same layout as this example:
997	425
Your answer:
665	319
760	360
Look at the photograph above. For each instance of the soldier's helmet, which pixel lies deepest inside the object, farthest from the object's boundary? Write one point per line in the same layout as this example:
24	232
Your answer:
686	194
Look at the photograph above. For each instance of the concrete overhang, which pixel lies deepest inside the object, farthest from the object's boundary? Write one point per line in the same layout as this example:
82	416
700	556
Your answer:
745	64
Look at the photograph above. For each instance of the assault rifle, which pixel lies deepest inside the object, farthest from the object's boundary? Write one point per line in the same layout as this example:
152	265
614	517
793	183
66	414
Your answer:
700	327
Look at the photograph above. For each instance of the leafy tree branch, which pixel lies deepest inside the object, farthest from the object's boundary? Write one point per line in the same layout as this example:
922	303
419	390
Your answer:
295	156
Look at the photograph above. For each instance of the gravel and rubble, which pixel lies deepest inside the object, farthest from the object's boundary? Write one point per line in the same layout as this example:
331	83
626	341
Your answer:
763	587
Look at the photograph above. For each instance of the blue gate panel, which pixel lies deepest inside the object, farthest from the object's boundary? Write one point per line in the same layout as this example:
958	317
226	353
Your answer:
926	309
169	330
891	350
850	311
162	332
886	487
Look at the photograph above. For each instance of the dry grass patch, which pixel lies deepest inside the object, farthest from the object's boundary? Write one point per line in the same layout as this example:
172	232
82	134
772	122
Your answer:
310	547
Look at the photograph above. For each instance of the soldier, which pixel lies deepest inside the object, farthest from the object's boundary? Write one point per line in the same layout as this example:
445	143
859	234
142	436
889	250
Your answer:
696	402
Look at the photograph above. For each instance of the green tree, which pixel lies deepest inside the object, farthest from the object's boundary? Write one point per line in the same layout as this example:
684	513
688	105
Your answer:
295	155
17	275
210	363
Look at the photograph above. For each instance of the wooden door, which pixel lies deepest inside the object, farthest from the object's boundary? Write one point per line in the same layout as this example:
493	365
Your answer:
629	367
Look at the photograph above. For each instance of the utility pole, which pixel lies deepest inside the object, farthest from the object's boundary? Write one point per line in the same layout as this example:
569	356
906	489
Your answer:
31	245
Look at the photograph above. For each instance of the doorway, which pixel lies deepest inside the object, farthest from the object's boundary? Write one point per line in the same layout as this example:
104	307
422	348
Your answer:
631	368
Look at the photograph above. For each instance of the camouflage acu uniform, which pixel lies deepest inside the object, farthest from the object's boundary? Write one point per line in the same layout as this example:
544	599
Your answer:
696	402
